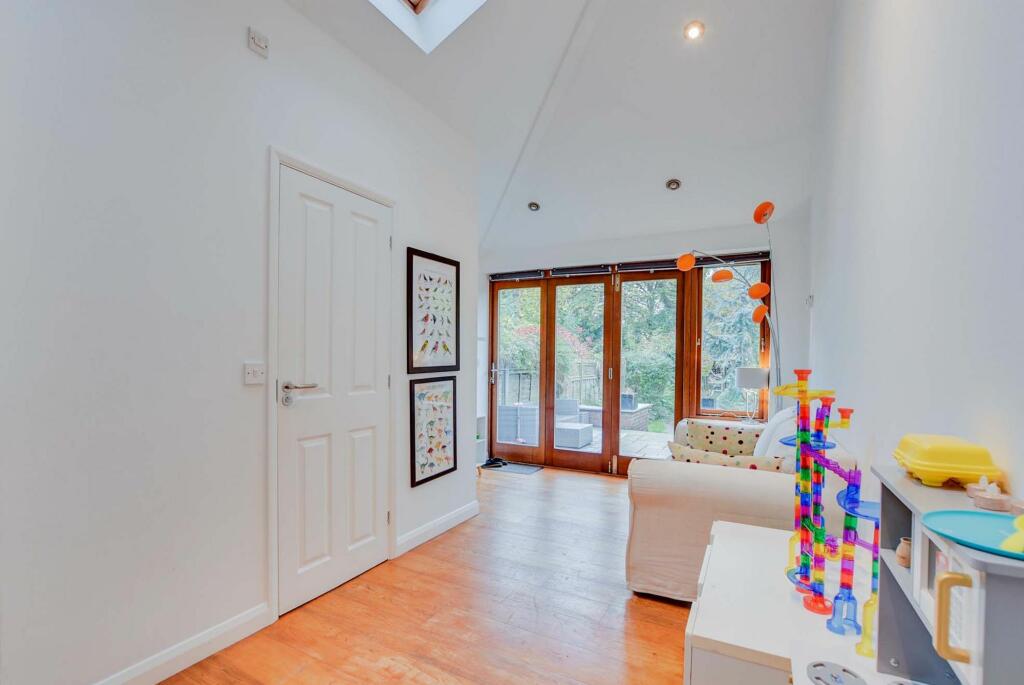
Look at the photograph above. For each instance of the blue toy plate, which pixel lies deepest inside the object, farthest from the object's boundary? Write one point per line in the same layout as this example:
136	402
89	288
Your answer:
984	530
790	441
863	509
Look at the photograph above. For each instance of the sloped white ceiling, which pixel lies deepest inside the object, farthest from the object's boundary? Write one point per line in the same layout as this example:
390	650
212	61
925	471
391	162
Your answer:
588	106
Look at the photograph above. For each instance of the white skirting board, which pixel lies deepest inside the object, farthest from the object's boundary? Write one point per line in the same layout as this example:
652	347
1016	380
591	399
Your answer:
417	536
164	664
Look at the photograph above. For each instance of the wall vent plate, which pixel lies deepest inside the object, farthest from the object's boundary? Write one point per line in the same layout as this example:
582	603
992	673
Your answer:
259	43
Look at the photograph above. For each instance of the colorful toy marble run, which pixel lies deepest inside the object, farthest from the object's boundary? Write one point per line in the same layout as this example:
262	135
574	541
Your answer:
810	545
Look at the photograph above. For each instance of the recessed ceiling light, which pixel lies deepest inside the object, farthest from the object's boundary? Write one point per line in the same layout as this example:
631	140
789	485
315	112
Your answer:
693	30
673	184
534	207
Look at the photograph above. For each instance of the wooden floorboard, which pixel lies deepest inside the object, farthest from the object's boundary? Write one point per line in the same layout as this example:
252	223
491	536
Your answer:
530	591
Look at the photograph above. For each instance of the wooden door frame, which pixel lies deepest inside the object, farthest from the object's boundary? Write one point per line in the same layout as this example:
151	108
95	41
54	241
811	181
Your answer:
693	321
523	453
279	158
622	461
689	305
572	459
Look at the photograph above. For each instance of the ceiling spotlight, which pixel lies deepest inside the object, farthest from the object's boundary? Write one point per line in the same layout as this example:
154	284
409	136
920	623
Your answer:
673	184
693	30
534	207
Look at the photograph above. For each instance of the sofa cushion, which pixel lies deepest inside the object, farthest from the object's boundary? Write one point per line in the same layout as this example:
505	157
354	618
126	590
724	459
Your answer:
770	463
736	439
779	426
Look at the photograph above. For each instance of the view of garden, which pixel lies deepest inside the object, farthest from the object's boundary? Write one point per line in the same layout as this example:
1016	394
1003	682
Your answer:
730	339
649	350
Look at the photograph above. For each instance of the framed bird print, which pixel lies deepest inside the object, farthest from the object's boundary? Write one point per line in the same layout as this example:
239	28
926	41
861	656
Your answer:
432	414
433	312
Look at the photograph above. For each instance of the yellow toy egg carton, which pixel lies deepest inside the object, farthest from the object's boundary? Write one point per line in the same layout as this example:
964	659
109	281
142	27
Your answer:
935	459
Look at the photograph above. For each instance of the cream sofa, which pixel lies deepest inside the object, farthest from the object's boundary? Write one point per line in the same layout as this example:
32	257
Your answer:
673	504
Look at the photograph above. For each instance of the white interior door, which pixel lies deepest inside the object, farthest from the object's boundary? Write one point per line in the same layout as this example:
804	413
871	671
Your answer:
333	303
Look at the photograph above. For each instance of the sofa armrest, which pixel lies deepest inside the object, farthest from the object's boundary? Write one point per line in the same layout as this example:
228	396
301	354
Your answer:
680	432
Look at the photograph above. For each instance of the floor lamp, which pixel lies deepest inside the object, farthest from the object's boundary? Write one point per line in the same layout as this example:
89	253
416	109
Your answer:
751	380
758	292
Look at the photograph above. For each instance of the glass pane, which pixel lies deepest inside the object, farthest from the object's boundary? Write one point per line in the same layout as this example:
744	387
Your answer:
729	340
579	366
518	376
648	389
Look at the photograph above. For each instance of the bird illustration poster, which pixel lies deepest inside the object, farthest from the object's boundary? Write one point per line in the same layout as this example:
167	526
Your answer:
432	403
433	313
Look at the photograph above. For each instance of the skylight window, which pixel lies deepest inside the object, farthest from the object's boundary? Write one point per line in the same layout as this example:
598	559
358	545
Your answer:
431	21
417	5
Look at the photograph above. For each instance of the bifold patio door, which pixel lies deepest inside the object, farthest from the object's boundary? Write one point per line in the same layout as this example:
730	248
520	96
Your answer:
584	371
648	316
517	371
580	373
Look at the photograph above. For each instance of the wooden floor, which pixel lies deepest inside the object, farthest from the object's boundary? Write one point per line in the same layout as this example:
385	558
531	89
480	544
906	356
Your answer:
530	591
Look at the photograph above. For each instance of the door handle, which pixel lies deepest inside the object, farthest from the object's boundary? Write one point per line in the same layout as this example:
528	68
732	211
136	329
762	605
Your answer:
494	373
288	387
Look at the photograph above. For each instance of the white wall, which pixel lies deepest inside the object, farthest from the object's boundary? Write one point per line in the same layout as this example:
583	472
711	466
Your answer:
917	229
133	286
790	265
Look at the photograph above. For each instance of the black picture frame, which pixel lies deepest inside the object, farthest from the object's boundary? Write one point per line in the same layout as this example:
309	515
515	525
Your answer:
413	383
410	295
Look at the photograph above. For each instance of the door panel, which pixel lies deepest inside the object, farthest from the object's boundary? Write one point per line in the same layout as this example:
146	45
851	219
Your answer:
333	295
648	333
517	371
315	468
579	419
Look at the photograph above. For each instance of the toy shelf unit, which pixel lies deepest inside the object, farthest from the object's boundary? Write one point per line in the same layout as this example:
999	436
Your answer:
957	614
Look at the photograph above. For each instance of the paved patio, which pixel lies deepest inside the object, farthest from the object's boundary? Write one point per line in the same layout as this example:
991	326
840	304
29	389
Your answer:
634	444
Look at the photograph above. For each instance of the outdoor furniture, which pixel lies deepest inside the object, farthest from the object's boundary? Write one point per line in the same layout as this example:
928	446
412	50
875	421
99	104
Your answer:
508	423
573	435
567	410
529	425
518	424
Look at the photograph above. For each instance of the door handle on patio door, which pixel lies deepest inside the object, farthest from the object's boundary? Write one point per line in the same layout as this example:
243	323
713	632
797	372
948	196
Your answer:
494	373
610	373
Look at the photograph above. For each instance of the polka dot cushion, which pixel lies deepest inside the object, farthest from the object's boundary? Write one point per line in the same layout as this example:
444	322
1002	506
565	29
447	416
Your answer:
743	461
738	440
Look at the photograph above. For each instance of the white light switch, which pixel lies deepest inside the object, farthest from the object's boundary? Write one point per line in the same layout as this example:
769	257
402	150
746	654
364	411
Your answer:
255	374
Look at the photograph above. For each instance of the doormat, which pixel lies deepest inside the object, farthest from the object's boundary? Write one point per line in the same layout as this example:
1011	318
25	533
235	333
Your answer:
522	469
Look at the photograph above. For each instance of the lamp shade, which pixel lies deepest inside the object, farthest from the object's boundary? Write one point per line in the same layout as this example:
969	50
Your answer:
751	378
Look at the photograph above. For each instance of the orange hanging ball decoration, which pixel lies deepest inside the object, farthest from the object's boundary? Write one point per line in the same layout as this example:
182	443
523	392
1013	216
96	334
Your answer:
722	276
759	291
759	313
686	261
763	212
